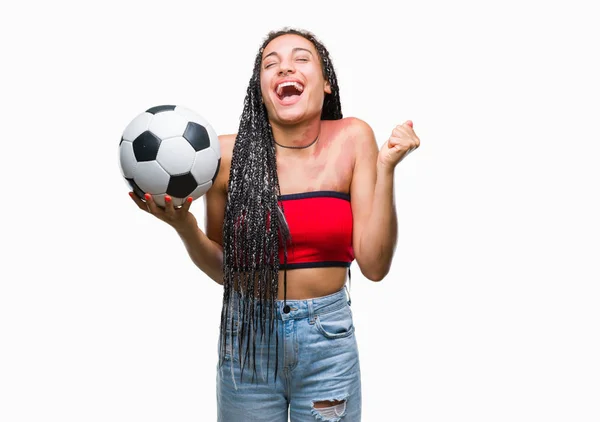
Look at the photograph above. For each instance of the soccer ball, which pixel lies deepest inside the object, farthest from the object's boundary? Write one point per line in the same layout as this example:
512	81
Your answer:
169	150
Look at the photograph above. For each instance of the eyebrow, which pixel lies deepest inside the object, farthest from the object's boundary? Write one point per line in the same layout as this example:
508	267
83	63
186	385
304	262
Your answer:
294	50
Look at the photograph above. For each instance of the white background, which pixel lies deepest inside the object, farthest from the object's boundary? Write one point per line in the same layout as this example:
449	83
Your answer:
491	311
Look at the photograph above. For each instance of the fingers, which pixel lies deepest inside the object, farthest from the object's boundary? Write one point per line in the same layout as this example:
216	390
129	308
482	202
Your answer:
406	127
169	207
168	213
151	205
401	142
404	134
138	201
187	204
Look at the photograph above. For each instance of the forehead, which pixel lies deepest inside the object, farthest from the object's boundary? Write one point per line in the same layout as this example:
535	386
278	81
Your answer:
288	42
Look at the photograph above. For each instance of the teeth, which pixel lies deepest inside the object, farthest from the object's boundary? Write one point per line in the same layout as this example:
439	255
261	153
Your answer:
282	85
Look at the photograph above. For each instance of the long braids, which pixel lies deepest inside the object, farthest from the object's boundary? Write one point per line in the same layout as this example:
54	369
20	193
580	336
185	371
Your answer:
254	226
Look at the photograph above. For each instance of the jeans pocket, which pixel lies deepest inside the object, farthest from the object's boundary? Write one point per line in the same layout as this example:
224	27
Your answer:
336	324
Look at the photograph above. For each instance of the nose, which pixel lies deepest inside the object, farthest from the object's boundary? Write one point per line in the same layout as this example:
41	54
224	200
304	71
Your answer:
285	68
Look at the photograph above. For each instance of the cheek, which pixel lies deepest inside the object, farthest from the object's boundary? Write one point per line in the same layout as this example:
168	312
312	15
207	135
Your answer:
318	94
264	87
319	85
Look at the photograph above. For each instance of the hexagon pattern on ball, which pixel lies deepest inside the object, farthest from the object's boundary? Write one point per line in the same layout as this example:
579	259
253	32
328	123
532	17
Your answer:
137	126
145	146
209	167
169	150
128	161
176	156
197	136
181	186
168	124
195	117
151	177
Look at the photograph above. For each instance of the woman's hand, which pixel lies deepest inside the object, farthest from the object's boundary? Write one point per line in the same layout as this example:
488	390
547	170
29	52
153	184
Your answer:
178	218
402	142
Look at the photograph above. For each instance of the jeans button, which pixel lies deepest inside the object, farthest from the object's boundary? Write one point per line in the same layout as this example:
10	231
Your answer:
286	309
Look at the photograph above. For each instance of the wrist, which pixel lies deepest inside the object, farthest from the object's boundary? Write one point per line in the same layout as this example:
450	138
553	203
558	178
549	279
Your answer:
385	169
185	230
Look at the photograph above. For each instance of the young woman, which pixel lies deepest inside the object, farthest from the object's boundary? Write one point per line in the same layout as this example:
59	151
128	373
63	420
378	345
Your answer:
301	193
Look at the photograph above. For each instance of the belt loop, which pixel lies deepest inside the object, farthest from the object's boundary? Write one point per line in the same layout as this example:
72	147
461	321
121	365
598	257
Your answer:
348	286
311	315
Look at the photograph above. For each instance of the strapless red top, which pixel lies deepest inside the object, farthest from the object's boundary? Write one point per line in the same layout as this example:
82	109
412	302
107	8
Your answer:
320	225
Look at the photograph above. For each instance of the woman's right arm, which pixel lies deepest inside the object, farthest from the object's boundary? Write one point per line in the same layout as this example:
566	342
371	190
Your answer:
204	249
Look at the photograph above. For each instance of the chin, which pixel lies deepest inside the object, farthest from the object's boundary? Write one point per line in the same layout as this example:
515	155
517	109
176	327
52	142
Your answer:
290	116
293	114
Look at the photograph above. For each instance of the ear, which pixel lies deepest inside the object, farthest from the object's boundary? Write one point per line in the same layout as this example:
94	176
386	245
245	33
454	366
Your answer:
327	87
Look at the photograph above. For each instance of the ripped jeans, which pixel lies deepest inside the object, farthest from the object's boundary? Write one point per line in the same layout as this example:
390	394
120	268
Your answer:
318	375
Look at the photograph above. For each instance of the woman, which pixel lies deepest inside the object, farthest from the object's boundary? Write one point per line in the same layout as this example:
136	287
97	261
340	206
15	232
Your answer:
301	193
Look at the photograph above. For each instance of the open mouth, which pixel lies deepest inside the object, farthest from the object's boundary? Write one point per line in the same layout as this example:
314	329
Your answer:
289	91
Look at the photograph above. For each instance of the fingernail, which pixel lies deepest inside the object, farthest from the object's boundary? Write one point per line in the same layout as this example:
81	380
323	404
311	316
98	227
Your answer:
131	194
147	196
189	199
167	198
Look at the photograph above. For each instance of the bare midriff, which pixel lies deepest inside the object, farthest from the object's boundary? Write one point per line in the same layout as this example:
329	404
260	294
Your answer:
308	283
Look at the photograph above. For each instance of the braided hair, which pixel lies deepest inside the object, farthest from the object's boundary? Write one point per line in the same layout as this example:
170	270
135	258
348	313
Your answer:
254	226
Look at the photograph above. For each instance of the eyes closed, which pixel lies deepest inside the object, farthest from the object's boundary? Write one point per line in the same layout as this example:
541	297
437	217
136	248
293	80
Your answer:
299	59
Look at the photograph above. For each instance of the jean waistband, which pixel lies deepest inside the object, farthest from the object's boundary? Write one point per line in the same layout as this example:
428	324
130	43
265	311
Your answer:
309	308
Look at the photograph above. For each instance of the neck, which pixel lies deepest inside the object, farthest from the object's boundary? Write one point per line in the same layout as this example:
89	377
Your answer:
297	137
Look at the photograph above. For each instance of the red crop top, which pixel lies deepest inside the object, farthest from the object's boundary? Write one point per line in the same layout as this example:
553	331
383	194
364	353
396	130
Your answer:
320	225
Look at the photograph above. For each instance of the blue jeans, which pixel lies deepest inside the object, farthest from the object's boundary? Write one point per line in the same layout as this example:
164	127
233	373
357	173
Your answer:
317	362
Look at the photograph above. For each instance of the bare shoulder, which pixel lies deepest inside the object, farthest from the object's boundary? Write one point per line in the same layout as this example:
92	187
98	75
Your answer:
358	133
361	130
226	143
354	128
356	124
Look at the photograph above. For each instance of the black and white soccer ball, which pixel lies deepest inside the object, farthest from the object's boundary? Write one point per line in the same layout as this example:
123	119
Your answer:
169	150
